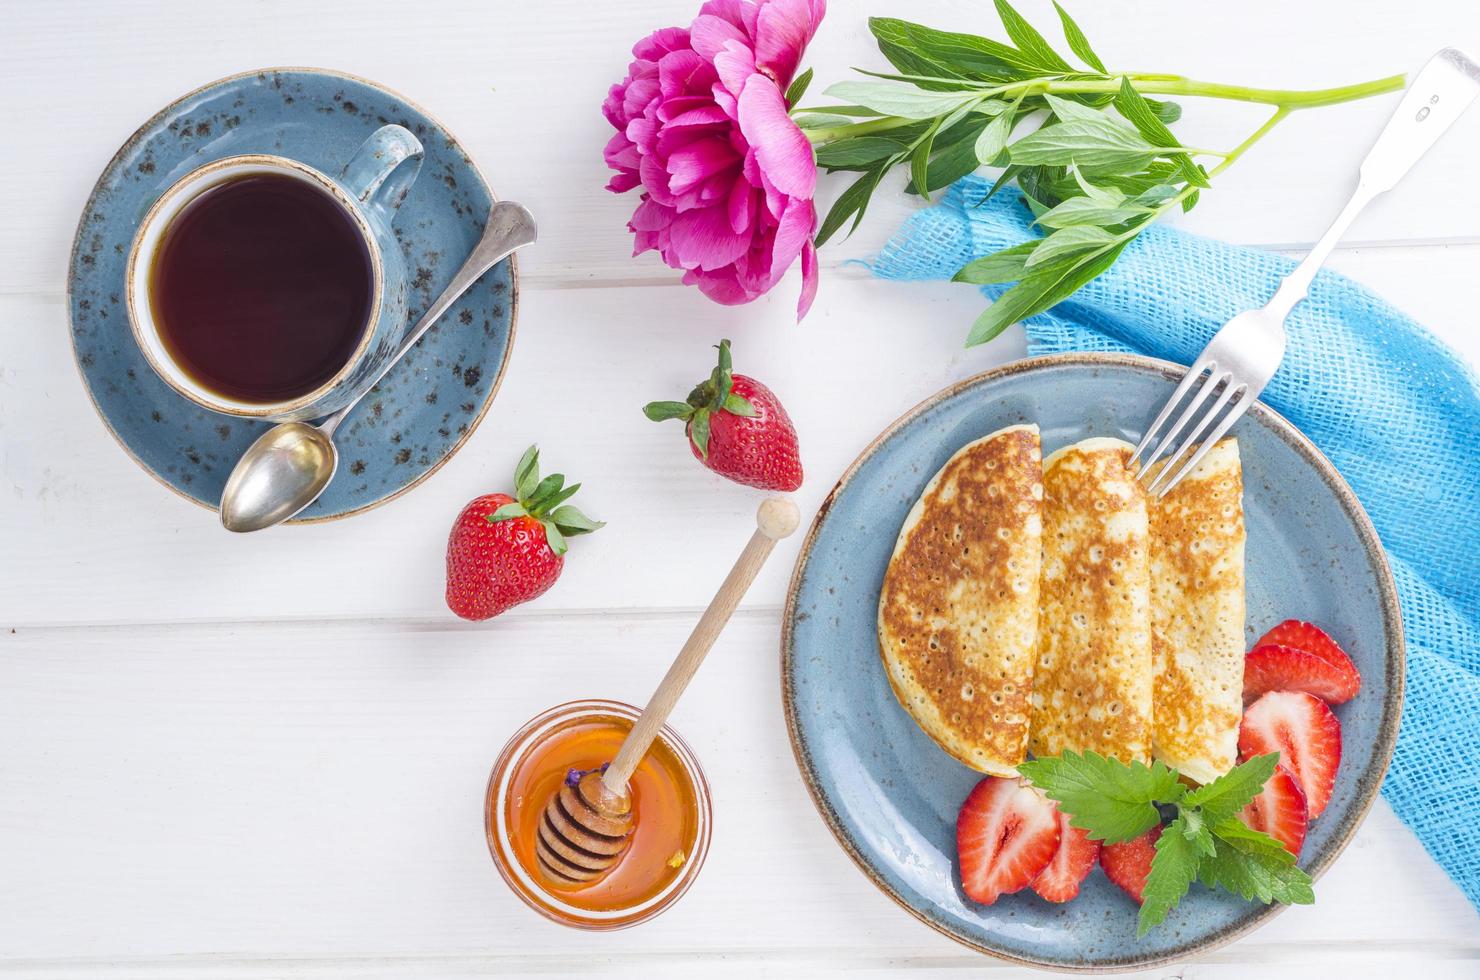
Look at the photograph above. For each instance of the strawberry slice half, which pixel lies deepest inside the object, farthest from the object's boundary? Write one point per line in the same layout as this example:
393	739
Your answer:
1128	864
1302	729
1271	667
1006	834
1070	865
1317	642
1279	810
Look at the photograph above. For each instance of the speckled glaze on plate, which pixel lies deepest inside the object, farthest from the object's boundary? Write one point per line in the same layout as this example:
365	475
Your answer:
890	795
423	410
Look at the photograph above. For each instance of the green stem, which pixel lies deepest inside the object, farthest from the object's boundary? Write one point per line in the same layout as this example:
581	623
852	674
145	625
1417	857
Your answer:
1287	100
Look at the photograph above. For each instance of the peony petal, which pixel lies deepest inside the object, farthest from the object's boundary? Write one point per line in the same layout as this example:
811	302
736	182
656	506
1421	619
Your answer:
702	239
661	42
792	233
710	33
720	286
697	112
741	207
809	280
623	182
675	70
783	28
697	162
735	64
651	216
781	149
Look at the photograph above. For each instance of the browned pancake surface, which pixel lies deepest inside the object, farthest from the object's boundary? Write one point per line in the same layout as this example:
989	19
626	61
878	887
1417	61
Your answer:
959	606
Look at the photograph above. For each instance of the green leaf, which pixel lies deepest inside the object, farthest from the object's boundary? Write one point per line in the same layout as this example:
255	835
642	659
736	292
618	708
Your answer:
898	100
810	119
1111	800
798	87
1227	795
1090	145
1134	108
1006	265
1156	196
1173	870
1068	241
556	499
553	537
993	139
1167	112
1195	829
737	405
932	83
920	163
547	488
955	151
1254	869
1039	290
699	431
1110	197
506	512
572	522
1067	110
1028	40
1085	211
857	151
1007	176
663	411
964	55
852	202
1078	43
527	473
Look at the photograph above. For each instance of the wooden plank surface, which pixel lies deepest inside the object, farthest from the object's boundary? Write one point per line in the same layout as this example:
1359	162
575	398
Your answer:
265	756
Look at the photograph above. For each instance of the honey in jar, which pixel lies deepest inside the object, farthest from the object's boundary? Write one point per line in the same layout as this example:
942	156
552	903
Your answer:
670	807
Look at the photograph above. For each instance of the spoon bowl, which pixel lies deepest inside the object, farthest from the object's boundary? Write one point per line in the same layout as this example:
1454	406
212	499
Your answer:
281	473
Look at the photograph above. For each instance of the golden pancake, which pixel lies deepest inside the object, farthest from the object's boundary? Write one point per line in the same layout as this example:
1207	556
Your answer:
1092	686
1197	616
958	613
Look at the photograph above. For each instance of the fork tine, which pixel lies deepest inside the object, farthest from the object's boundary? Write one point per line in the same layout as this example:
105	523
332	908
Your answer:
1193	437
1194	373
1234	414
1169	443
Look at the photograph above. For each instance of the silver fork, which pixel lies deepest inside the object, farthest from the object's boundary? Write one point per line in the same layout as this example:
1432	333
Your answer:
1245	352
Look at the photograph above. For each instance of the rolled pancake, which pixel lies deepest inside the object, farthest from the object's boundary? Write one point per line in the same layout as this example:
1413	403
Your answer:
1197	616
1092	686
958	613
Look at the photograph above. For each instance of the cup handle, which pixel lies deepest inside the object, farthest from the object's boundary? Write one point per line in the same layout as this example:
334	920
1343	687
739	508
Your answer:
383	170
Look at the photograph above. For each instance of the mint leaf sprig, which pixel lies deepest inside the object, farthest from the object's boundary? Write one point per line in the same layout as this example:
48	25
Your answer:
1115	802
1094	180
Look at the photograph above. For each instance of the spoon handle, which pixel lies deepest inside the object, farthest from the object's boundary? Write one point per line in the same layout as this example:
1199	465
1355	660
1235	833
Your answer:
510	226
776	518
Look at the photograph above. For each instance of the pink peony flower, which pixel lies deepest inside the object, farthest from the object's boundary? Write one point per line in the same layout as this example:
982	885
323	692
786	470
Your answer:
702	128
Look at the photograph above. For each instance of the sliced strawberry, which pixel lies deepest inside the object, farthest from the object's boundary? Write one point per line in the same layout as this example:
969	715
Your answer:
1129	863
1279	810
1006	834
1070	865
1271	667
1316	641
1304	732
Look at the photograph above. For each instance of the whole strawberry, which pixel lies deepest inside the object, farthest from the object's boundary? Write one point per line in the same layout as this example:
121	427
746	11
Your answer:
737	427
506	550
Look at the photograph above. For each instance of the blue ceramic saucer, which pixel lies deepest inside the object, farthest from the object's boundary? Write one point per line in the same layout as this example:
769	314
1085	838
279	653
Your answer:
890	795
423	410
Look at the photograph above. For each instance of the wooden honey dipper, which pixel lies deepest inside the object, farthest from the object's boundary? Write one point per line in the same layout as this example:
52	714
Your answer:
587	827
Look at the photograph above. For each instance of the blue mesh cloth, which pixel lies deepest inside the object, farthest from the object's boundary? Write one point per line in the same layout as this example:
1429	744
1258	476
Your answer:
1391	406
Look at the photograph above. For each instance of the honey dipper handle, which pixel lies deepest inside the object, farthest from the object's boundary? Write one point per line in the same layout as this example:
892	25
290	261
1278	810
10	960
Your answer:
776	518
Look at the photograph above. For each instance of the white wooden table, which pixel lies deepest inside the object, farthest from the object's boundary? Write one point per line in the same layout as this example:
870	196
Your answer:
265	756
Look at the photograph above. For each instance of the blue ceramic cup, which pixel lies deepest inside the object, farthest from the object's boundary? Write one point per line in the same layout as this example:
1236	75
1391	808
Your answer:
369	189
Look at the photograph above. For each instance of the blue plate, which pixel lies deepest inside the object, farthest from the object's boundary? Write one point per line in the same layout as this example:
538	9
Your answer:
423	410
890	795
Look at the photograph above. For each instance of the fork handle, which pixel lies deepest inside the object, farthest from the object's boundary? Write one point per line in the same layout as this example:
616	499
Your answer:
1440	93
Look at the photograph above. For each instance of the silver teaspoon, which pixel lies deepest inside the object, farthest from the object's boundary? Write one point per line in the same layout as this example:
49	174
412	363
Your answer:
290	464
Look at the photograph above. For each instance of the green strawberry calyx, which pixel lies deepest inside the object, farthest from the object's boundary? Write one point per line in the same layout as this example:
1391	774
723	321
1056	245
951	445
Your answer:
716	394
545	501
